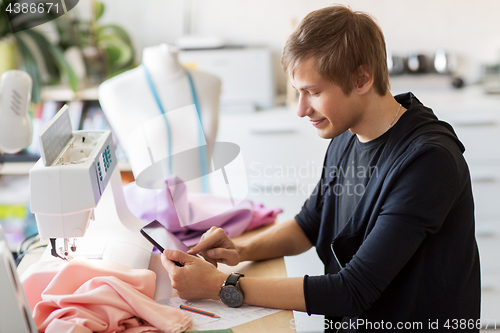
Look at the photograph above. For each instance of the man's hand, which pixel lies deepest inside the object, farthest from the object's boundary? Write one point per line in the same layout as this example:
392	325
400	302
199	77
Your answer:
197	279
216	246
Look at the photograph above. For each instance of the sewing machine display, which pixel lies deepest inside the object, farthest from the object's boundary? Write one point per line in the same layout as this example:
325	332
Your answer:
69	187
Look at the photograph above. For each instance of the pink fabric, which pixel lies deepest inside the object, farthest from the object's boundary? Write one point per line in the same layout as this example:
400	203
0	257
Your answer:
158	205
262	216
83	296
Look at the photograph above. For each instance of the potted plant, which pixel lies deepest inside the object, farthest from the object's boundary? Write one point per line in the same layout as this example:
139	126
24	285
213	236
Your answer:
20	49
106	48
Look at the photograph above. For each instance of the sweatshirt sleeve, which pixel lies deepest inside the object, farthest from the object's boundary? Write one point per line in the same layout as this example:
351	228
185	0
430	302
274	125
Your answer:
309	217
416	205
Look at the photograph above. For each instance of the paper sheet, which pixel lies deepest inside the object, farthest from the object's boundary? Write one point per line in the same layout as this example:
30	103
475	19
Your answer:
229	317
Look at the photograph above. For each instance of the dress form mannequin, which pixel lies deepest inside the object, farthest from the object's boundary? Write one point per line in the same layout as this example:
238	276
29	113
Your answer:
127	100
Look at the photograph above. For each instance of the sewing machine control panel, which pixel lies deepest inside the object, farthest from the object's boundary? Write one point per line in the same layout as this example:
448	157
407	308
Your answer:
105	163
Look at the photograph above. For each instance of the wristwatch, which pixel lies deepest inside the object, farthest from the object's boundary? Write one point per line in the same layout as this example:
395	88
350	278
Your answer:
230	293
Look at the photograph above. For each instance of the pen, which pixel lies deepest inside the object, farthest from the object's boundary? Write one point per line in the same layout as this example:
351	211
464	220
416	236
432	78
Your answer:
195	310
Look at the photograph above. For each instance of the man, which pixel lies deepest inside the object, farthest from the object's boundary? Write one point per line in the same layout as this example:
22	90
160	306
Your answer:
392	217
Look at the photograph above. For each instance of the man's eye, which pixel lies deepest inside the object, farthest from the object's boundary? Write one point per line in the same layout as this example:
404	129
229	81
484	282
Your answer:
314	94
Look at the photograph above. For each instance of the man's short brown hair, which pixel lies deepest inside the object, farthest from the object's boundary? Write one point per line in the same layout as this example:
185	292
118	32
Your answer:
343	41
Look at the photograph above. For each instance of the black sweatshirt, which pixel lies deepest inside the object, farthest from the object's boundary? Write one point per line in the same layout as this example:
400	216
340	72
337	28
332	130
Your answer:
408	254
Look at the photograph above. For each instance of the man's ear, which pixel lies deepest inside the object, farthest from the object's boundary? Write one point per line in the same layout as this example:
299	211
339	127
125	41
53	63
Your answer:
364	80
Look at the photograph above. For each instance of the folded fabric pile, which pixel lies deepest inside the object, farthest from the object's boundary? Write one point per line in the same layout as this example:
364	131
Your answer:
85	296
194	213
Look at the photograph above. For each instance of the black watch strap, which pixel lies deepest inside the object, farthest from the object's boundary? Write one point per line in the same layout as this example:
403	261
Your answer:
232	279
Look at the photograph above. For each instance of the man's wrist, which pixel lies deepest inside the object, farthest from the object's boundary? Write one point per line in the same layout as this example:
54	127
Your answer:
218	282
242	250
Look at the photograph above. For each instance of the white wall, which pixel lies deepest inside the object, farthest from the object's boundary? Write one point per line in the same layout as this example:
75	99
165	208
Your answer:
469	28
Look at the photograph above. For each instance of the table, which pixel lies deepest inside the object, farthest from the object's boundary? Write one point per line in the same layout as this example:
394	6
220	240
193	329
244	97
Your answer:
273	268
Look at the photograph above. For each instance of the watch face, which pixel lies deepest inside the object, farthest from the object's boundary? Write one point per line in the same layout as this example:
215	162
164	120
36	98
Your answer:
231	296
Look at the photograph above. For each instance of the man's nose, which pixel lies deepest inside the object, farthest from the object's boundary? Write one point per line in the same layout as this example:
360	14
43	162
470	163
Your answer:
304	108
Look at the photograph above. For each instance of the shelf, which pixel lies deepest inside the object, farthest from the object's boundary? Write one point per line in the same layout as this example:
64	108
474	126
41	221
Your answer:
16	168
64	94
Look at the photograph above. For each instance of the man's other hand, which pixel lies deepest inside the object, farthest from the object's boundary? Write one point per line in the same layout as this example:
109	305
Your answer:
216	246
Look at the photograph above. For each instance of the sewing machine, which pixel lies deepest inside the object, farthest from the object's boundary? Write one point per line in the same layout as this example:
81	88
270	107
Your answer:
69	188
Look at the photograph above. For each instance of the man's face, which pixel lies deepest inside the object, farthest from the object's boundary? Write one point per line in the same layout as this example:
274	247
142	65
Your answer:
330	110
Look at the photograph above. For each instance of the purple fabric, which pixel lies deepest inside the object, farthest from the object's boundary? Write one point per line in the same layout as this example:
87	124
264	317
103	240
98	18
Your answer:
150	205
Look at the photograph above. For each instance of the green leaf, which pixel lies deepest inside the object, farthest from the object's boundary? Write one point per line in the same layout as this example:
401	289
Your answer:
98	9
59	60
64	65
117	45
29	65
44	47
114	30
122	52
113	54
